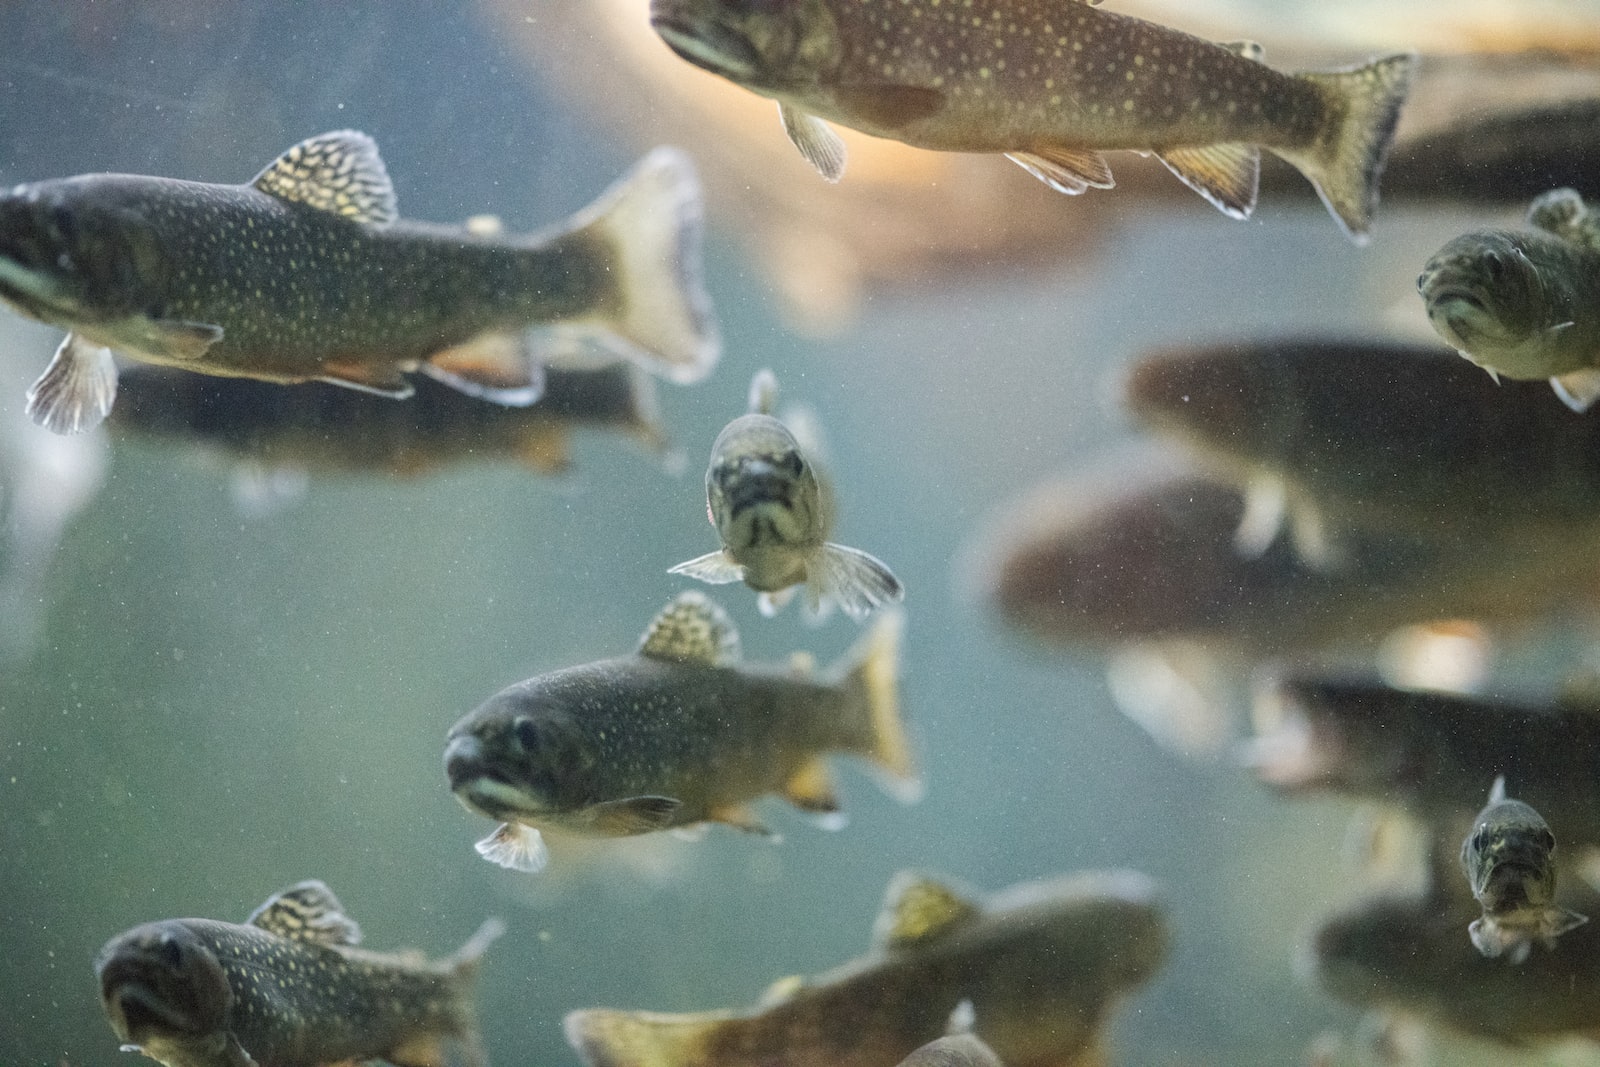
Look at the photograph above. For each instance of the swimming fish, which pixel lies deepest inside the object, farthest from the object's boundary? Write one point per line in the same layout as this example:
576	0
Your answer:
288	988
678	733
1428	752
321	428
956	1050
1405	953
1042	963
1330	437
1051	85
1508	861
768	506
1523	303
308	273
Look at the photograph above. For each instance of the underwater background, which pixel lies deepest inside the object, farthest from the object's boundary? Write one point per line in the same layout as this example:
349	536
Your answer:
214	702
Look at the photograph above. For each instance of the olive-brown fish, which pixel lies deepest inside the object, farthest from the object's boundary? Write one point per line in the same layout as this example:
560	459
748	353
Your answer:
773	513
308	273
288	988
676	734
1052	84
1042	964
956	1050
1509	860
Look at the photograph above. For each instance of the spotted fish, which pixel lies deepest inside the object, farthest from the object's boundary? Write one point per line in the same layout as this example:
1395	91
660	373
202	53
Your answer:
288	988
677	734
1040	967
308	273
1508	859
773	515
1052	84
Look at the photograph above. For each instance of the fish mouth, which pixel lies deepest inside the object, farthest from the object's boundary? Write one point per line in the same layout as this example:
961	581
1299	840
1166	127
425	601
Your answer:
136	1012
707	44
480	785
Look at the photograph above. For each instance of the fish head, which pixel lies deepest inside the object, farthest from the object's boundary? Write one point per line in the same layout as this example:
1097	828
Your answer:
764	45
519	757
1507	858
761	491
77	251
1485	297
160	983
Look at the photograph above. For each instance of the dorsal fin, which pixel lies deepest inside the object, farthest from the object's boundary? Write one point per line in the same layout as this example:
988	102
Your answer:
307	911
917	909
691	629
764	392
1497	792
339	172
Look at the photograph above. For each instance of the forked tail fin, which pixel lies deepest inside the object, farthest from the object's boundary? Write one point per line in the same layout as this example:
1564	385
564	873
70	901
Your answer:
652	221
607	1038
1345	162
872	669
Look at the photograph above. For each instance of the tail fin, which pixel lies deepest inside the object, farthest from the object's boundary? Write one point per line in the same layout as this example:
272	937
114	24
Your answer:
606	1038
1346	160
652	221
449	1036
872	670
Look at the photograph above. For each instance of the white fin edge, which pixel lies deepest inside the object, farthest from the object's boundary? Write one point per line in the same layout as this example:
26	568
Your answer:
76	390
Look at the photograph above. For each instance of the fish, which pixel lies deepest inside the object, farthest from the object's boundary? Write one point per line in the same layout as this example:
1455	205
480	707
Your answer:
1328	437
769	508
956	1050
307	273
1427	752
321	428
1522	303
288	988
677	734
1406	954
1043	964
1508	860
1051	86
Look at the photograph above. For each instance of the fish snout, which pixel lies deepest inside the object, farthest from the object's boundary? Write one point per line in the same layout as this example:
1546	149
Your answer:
463	760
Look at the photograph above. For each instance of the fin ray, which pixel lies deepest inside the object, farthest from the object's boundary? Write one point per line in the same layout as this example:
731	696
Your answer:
1065	170
76	390
713	568
857	582
816	140
1227	175
496	367
515	847
692	628
338	172
307	911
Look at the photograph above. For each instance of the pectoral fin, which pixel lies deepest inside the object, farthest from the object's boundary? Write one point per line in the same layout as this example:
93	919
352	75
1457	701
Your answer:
713	568
379	380
893	106
76	390
855	581
1225	174
175	340
633	815
1579	389
1558	921
1064	170
1266	506
496	367
816	141
515	847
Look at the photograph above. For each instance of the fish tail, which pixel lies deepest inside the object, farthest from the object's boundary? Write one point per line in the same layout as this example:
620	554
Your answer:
652	221
606	1038
457	1042
1345	162
872	673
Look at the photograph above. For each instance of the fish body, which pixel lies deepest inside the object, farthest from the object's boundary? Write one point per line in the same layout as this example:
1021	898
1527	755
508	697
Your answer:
1520	304
287	989
955	1050
770	509
308	273
1052	86
677	734
1509	861
1042	965
1329	437
1407	954
321	428
1426	751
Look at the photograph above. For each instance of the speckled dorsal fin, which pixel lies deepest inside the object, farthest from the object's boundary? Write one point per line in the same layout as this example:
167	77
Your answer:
691	629
339	172
1497	792
307	912
918	909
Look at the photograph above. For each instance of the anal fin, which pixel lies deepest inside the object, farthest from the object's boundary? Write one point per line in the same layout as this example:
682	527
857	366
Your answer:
811	789
1578	389
740	818
1066	170
496	367
1225	174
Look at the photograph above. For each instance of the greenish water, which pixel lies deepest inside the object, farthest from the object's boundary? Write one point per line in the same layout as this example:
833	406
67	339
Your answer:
221	705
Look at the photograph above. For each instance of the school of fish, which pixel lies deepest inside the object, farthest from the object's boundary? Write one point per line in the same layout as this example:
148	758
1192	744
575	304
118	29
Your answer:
1315	513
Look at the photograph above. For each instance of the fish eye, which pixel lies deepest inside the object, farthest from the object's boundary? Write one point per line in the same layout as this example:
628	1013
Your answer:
1494	265
1547	840
1480	840
527	734
792	464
